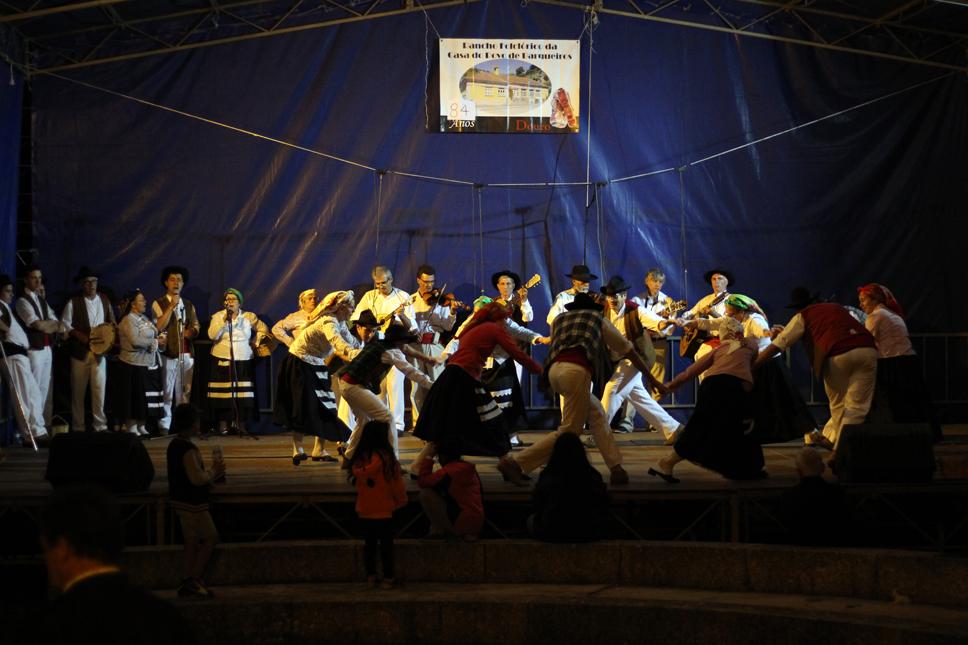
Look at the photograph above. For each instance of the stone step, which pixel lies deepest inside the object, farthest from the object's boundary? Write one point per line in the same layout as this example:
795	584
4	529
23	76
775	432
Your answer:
875	574
539	613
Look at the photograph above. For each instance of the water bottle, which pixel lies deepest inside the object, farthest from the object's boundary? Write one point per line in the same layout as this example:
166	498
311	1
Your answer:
218	458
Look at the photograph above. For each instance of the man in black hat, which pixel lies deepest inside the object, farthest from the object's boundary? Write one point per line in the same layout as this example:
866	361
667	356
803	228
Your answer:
24	393
82	313
175	316
361	377
626	382
577	367
512	291
843	353
581	276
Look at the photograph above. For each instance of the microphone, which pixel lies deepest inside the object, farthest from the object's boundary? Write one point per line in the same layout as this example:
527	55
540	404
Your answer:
228	314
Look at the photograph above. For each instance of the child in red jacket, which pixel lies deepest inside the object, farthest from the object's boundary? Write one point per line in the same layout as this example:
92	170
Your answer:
380	490
451	497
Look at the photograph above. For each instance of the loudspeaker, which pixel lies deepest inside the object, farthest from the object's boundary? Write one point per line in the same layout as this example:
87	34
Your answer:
117	461
898	452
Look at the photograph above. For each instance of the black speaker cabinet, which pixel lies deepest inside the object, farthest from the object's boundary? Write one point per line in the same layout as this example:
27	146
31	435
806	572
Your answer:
117	461
899	452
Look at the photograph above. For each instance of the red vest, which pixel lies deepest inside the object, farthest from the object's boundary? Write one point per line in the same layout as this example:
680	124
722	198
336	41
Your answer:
829	330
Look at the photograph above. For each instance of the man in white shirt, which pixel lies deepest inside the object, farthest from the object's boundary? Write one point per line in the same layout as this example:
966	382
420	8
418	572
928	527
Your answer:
24	393
709	306
432	319
581	277
654	303
82	313
41	326
387	302
175	316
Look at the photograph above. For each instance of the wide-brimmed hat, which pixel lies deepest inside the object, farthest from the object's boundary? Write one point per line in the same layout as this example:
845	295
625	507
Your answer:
581	273
174	268
584	301
511	274
616	284
800	297
367	319
708	275
399	334
86	272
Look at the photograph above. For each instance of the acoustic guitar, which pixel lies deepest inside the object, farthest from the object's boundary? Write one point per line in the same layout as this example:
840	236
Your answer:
692	339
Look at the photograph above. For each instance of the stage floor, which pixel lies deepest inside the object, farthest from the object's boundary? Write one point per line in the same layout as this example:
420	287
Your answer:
263	468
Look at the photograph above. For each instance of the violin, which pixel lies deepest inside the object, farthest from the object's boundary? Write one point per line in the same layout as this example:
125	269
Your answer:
435	296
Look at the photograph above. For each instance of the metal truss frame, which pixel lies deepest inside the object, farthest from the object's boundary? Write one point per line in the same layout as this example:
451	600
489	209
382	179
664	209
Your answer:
900	30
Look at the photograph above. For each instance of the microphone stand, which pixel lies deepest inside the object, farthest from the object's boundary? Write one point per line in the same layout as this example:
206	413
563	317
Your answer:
234	383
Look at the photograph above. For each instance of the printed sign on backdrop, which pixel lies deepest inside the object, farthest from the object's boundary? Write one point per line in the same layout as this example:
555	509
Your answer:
509	86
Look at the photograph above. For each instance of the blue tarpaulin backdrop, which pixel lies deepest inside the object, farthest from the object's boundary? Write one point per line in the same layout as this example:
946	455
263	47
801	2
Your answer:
875	193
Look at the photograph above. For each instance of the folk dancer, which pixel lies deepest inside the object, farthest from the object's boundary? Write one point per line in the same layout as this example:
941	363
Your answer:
717	436
42	326
287	329
24	394
510	291
175	317
843	353
306	401
82	313
626	382
432	320
231	386
137	392
581	277
900	394
577	367
388	302
460	417
361	378
712	305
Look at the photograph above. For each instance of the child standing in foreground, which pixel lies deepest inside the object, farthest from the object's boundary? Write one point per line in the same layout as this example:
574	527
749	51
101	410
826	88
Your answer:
188	486
380	490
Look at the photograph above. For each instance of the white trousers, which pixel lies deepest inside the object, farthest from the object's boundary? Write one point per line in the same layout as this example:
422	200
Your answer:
19	376
91	372
849	381
41	361
174	373
391	391
579	405
366	406
626	384
432	370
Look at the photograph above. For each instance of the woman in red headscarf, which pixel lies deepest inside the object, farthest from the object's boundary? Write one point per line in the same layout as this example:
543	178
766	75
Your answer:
900	395
459	416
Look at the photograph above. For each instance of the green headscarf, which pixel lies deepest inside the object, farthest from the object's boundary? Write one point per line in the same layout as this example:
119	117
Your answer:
740	301
234	292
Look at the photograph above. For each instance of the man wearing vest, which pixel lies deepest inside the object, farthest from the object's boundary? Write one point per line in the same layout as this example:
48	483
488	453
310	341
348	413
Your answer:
175	316
577	367
41	325
24	394
83	313
843	354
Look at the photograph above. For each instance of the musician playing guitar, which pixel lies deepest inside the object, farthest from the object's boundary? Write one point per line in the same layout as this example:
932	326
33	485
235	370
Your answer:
710	306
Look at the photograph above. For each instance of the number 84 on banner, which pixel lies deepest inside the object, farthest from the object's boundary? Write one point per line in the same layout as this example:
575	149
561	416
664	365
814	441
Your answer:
461	115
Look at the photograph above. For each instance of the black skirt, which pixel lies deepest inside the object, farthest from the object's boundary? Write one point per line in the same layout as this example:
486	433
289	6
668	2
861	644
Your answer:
305	402
461	417
230	384
901	396
137	392
780	413
502	384
716	435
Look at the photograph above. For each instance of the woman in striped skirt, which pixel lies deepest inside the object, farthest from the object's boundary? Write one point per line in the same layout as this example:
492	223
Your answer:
138	395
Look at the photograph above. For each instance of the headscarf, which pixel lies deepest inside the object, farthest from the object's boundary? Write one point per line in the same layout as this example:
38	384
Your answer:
329	304
305	294
729	326
236	293
489	312
883	295
481	301
745	303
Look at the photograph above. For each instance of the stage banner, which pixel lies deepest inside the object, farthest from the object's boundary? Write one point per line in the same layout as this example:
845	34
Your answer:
509	86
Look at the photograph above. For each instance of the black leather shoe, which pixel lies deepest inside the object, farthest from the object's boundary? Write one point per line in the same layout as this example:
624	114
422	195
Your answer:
330	459
669	479
296	459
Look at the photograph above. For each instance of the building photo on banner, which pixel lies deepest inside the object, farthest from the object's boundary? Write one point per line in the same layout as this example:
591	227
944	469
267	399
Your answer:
509	86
